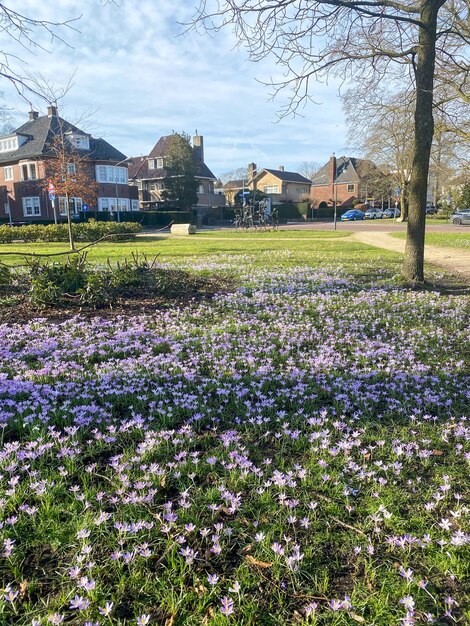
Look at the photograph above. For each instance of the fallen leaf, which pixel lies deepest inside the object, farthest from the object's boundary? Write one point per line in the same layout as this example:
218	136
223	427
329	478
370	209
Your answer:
252	561
357	618
23	586
437	452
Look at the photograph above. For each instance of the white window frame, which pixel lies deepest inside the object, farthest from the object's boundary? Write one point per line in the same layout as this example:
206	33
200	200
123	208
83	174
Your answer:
109	204
71	168
135	205
29	165
271	189
8	145
75	204
8	172
151	164
31	206
350	185
112	174
159	163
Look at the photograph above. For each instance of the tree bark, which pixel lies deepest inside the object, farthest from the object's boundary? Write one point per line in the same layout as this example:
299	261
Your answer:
69	223
413	267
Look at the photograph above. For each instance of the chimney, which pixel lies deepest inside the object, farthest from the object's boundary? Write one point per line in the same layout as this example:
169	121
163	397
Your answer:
281	168
51	110
33	115
252	170
198	147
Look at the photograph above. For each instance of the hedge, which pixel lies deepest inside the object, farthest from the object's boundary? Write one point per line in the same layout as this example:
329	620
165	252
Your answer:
294	210
87	231
146	218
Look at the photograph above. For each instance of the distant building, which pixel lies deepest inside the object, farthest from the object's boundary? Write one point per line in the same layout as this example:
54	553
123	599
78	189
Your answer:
279	185
23	153
345	179
147	173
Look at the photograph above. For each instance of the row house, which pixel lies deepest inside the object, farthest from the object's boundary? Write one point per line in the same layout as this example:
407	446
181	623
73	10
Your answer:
147	173
23	154
344	180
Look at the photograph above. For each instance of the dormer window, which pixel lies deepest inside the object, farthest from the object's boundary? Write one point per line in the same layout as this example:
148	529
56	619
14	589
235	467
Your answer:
79	140
159	163
151	164
12	142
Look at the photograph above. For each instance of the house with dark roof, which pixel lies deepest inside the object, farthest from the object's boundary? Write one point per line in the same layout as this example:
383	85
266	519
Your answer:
23	154
280	185
346	179
147	173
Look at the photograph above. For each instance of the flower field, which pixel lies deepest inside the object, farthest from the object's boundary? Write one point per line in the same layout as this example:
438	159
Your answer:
293	452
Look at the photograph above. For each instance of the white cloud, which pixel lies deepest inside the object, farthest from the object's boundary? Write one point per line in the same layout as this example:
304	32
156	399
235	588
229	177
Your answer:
145	79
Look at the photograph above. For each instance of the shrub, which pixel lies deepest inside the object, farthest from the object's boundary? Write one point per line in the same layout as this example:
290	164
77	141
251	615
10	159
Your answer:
76	282
83	232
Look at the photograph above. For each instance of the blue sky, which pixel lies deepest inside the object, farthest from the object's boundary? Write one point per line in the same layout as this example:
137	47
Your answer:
142	79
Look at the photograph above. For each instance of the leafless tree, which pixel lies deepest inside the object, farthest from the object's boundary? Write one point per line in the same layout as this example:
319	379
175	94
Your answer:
26	32
240	173
361	40
309	168
380	126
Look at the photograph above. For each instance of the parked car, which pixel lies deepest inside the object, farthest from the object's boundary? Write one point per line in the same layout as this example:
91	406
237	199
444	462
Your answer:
391	212
461	216
431	210
372	214
352	215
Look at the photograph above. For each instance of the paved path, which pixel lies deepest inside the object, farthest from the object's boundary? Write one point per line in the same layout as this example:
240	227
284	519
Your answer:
453	259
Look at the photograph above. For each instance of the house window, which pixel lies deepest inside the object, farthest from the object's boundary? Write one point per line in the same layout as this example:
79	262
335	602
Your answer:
350	188
31	206
28	171
8	145
159	163
71	168
112	204
111	174
271	189
151	164
79	141
75	204
201	188
8	172
103	204
135	205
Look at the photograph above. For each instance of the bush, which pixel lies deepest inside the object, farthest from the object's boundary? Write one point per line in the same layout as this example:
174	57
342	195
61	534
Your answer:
293	210
76	282
83	232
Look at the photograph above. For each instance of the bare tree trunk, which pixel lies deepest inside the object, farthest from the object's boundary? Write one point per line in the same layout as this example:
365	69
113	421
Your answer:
69	223
413	266
404	200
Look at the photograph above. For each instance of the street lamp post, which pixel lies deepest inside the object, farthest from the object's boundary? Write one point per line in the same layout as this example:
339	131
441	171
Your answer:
116	193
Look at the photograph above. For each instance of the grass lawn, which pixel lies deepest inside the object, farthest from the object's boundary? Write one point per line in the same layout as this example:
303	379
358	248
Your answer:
448	240
279	247
295	451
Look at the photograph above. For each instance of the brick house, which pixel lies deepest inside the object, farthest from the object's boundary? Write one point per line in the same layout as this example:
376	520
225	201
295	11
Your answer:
345	179
147	174
23	153
279	185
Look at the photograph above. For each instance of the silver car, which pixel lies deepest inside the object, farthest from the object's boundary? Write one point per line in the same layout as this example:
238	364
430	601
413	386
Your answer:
461	216
372	214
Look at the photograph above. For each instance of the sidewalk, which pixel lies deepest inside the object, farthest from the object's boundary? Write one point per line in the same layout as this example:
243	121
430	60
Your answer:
453	259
